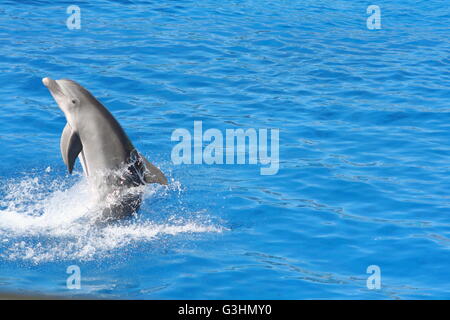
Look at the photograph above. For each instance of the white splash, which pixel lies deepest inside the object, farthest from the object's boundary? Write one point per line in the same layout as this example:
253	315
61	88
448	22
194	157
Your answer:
44	221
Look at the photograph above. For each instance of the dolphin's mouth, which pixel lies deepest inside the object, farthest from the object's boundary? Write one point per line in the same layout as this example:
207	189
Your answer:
52	85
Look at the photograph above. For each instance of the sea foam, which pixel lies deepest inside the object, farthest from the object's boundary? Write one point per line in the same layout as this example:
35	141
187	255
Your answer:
43	218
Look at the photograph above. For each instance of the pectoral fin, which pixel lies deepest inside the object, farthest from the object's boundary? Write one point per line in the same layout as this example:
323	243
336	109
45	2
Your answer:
70	146
151	173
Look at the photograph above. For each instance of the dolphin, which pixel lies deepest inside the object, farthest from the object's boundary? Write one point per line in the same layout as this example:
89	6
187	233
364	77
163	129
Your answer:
111	163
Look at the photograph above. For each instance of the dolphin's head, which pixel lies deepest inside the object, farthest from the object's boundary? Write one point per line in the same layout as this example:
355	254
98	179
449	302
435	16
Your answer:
70	97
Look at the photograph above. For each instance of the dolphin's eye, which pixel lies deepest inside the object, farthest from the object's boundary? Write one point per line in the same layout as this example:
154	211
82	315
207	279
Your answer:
74	101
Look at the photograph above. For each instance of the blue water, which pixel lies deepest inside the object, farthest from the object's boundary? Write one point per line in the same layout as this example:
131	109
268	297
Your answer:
364	149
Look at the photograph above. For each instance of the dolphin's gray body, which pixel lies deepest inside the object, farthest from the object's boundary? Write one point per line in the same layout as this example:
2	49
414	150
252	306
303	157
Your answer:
107	156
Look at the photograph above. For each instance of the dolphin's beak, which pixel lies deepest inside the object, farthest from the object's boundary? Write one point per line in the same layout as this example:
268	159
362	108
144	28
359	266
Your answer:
52	86
46	81
50	83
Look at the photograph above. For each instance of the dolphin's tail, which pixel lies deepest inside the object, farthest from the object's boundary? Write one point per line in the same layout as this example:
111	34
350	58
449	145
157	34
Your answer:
147	172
